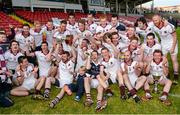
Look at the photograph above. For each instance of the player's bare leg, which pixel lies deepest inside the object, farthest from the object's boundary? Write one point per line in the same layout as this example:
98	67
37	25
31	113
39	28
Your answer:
87	87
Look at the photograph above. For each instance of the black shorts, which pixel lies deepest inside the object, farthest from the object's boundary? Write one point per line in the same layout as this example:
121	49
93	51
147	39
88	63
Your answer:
73	87
57	83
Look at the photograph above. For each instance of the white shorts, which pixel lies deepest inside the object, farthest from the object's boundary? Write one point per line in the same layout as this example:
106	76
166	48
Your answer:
166	47
113	78
160	79
43	72
94	83
63	82
29	83
133	78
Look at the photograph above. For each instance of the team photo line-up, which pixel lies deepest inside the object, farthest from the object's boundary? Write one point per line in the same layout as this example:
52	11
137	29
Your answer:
77	56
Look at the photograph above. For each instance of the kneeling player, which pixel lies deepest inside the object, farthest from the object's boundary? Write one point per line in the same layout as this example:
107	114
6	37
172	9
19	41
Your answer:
158	69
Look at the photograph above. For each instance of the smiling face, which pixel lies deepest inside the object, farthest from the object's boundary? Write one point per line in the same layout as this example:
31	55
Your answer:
14	46
134	44
94	56
127	56
156	20
157	57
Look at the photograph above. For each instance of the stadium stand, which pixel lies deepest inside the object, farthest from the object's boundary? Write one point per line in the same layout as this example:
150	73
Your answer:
6	20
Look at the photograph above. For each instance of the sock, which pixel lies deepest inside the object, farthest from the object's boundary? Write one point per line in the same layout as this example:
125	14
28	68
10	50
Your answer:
122	90
176	75
88	96
37	91
133	92
165	93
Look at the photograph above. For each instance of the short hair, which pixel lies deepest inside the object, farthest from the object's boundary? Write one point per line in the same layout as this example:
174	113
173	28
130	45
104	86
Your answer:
86	40
107	35
44	43
26	25
63	22
104	48
95	51
82	21
103	17
67	53
150	34
2	33
158	51
71	14
142	19
37	22
90	14
134	38
114	16
21	58
114	33
11	42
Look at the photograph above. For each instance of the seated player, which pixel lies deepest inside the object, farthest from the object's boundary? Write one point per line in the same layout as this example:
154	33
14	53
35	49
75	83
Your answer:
93	69
131	71
26	76
69	88
158	69
64	75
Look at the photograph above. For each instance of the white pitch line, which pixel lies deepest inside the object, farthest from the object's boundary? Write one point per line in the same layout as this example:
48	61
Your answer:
174	95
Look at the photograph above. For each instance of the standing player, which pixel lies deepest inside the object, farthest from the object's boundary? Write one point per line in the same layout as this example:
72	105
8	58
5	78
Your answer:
37	33
143	29
11	56
72	26
91	25
149	47
25	39
103	25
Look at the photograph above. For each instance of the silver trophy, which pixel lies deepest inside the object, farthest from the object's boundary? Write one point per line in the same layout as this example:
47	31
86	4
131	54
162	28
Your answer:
156	77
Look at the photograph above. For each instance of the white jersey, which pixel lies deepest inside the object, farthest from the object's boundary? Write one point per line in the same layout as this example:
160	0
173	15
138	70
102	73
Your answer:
37	36
65	72
83	35
72	28
165	33
80	61
49	36
156	69
23	42
149	50
12	60
166	37
61	36
92	27
144	33
29	78
131	72
44	65
136	53
111	67
103	29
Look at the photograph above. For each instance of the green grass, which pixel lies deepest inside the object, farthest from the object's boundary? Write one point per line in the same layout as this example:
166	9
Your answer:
25	105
